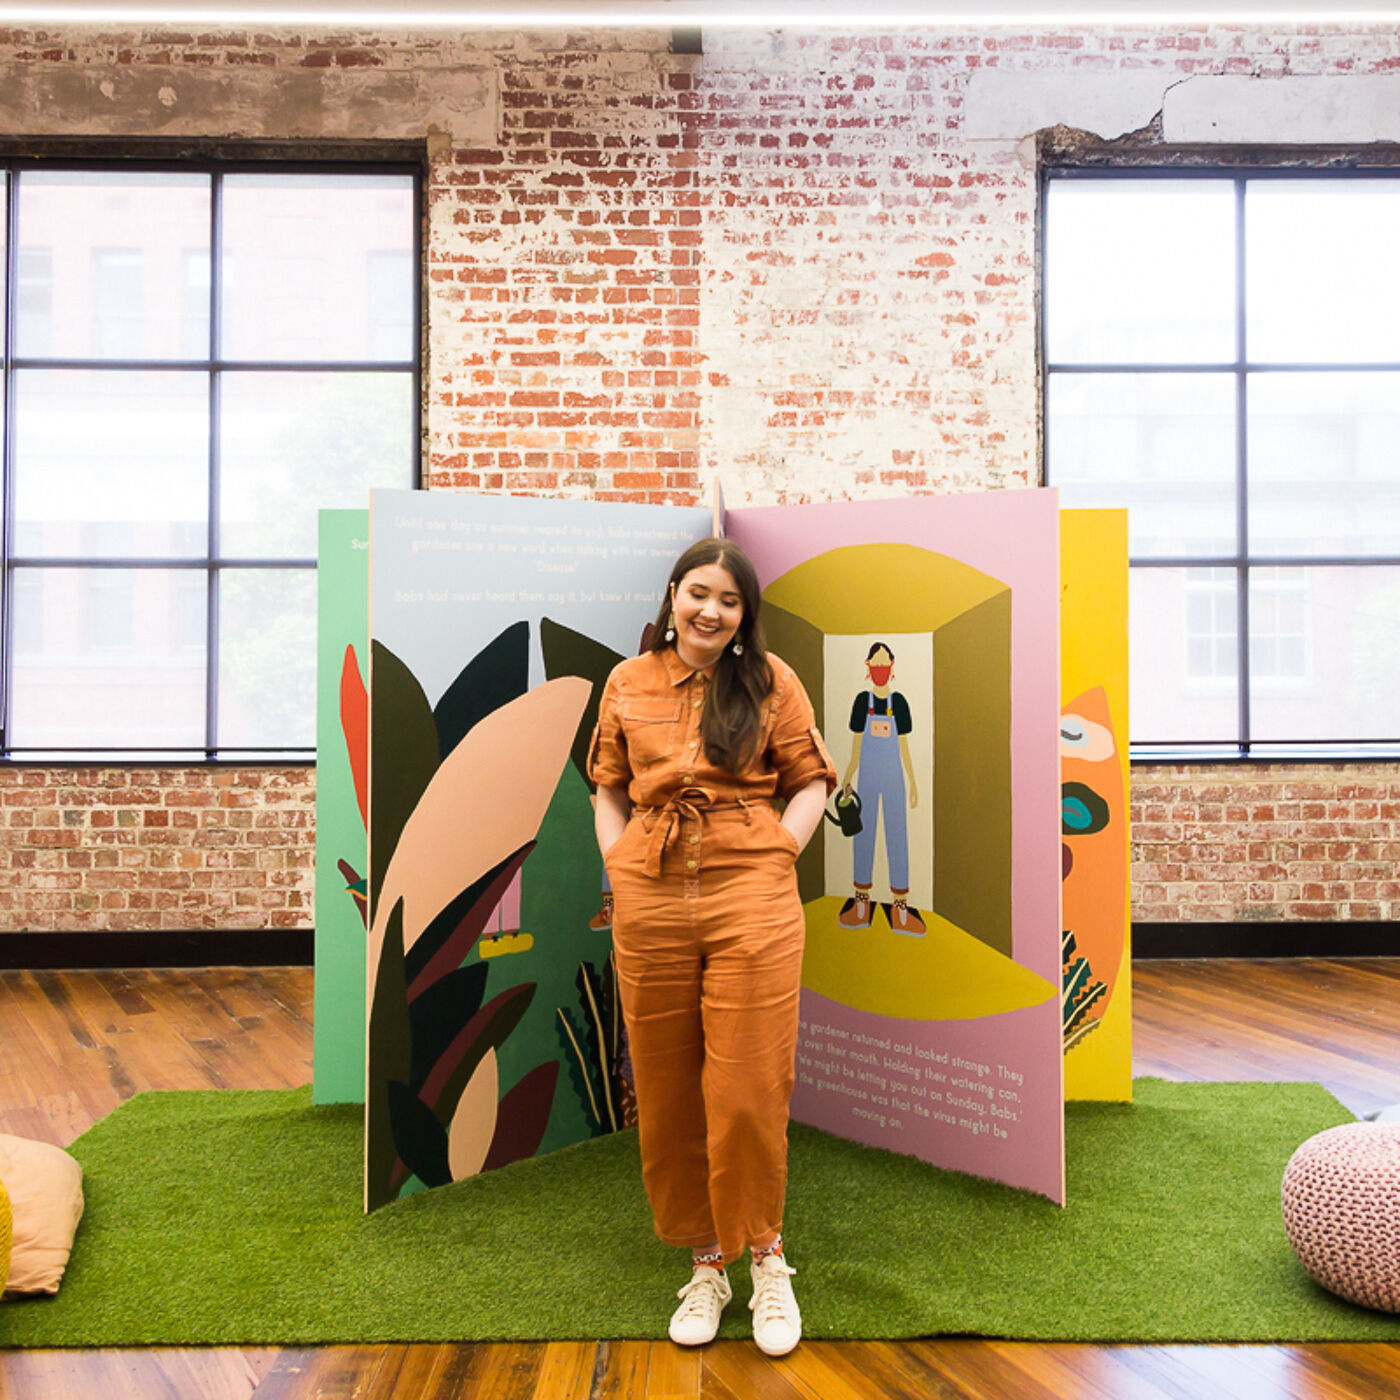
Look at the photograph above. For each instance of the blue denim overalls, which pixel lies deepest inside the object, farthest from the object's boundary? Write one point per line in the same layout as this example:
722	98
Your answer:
880	782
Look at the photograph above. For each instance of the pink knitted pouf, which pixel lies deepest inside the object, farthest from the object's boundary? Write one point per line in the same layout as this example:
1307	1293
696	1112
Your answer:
1341	1211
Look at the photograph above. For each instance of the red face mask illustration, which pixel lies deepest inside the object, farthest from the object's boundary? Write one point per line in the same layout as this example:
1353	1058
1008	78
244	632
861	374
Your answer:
880	675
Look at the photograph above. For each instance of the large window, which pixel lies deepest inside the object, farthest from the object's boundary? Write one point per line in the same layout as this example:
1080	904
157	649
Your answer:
196	360
1222	357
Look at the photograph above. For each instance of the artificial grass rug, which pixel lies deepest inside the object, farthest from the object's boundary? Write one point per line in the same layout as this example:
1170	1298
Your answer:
234	1217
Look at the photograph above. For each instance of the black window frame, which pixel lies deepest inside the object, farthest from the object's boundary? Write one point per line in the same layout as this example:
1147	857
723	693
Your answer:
211	564
1238	168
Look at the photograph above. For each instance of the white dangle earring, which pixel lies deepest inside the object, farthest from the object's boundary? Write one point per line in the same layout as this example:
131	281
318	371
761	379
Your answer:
737	648
671	627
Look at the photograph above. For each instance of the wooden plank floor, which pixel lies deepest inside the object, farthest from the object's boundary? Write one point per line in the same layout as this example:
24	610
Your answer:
78	1043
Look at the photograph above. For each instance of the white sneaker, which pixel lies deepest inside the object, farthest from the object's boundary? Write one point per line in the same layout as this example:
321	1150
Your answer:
777	1320
696	1321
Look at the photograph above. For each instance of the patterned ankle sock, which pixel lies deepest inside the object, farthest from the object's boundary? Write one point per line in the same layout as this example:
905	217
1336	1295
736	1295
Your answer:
710	1258
759	1255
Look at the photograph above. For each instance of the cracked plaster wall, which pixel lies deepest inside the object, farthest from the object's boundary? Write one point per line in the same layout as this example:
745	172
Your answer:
1288	109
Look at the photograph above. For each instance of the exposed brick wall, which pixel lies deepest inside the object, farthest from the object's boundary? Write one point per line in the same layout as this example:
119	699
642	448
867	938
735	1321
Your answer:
780	264
772	264
1274	841
159	848
869	304
155	848
565	260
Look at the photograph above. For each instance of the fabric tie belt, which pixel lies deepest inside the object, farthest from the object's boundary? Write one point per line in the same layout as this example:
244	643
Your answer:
663	824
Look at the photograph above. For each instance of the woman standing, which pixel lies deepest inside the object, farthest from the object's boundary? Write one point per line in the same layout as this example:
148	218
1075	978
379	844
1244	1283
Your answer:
880	767
695	738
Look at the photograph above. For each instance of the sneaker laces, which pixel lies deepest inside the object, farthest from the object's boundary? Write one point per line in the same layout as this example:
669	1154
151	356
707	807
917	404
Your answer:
773	1299
704	1295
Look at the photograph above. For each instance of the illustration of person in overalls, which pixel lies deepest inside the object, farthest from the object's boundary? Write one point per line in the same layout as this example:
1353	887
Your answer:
881	767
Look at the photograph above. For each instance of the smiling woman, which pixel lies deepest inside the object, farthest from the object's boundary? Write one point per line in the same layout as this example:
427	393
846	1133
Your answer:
709	613
695	739
707	609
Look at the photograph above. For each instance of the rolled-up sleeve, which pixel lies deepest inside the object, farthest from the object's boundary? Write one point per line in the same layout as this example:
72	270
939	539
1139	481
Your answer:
795	747
607	753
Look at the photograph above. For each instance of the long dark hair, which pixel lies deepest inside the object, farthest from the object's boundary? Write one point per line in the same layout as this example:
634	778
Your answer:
731	720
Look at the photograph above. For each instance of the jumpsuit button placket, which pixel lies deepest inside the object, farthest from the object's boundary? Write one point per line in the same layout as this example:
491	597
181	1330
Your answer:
692	871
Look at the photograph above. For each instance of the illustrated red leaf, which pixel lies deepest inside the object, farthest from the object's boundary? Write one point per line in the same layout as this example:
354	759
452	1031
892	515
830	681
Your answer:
354	723
523	1117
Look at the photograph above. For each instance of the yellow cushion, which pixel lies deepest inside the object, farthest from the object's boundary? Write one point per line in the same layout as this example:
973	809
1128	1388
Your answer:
5	1228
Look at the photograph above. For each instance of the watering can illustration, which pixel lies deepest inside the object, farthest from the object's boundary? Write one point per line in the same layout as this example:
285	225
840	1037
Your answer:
847	814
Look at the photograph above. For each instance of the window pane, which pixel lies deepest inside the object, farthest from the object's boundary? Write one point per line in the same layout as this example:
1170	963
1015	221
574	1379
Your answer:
34	301
103	259
1279	642
1329	663
306	263
267	658
294	443
111	463
1162	445
112	466
1183	655
107	658
1324	470
1140	271
1323	282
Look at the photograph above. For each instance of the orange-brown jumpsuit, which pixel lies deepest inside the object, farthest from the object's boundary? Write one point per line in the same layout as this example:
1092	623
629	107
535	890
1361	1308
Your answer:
707	937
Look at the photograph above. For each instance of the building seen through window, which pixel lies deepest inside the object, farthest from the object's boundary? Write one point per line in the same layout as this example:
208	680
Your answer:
203	357
1222	357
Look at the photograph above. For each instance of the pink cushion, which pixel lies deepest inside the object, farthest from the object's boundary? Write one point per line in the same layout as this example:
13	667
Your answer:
1341	1210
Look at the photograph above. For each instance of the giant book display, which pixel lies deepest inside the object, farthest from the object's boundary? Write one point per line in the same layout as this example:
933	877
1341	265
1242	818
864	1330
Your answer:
463	954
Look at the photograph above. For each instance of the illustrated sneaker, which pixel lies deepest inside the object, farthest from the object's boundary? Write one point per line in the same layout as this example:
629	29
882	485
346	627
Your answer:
777	1320
855	913
696	1321
604	917
903	919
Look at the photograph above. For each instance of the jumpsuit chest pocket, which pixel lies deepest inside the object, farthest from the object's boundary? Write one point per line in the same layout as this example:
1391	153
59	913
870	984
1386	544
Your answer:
881	728
652	729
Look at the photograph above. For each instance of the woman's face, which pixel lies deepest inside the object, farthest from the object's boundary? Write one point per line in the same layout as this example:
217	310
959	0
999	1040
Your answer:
880	666
709	609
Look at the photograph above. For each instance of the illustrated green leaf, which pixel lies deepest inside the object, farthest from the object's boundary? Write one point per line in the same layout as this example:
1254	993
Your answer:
437	1016
496	675
570	653
419	1139
404	741
390	1058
